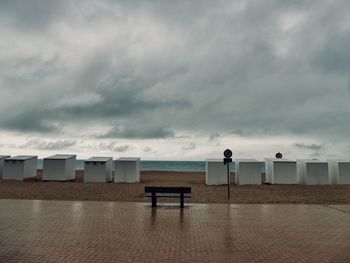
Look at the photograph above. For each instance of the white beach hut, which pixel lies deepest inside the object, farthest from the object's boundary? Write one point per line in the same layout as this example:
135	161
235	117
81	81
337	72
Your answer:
339	171
215	172
280	171
98	169
2	159
268	168
59	167
312	172
248	171
127	170
19	167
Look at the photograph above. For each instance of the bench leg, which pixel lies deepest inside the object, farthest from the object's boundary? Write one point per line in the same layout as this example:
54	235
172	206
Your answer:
154	200
181	200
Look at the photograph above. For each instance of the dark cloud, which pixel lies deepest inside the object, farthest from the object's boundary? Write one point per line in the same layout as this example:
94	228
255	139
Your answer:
334	55
27	122
316	154
148	70
123	97
122	148
107	146
147	149
214	136
48	145
31	69
190	146
237	132
315	147
34	15
141	132
114	147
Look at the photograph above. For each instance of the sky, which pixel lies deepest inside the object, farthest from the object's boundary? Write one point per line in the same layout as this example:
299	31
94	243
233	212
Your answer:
175	80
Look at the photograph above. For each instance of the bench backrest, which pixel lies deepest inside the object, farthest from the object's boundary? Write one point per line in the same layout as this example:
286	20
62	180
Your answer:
161	189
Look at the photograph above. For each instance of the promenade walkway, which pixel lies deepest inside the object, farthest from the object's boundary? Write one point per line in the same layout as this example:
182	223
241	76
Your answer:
88	231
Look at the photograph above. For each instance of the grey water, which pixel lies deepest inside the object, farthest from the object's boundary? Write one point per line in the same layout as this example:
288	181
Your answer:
175	166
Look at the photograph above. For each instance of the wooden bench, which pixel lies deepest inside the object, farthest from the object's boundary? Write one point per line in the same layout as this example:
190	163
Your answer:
170	192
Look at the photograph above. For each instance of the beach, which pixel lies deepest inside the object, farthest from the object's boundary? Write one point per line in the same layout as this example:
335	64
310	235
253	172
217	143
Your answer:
77	190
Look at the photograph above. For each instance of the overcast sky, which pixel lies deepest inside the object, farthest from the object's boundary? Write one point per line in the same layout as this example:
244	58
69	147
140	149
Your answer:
177	80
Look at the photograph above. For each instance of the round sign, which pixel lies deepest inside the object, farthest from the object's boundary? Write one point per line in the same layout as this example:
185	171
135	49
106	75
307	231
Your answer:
279	155
227	153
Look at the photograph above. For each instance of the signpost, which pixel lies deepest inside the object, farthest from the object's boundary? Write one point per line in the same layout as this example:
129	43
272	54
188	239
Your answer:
227	161
279	155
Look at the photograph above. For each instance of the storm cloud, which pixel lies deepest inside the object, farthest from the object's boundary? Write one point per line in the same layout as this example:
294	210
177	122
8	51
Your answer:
131	70
309	146
48	145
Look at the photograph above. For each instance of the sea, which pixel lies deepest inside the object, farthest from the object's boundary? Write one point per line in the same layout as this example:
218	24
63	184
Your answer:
175	166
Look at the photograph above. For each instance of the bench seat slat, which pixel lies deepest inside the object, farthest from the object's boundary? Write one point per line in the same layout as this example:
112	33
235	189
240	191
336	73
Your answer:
162	189
186	195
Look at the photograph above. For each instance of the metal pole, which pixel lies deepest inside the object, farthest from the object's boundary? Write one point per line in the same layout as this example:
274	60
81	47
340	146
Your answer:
227	160
228	180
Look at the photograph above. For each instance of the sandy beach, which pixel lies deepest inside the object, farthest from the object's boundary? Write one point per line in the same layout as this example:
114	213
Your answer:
78	190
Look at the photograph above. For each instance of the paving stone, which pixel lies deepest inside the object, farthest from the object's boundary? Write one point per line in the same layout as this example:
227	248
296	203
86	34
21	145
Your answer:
88	231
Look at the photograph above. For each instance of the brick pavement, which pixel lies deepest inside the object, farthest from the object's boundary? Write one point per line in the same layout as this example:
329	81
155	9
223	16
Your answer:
90	231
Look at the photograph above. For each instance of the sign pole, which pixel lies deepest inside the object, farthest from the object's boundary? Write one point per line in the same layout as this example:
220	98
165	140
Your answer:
227	161
228	181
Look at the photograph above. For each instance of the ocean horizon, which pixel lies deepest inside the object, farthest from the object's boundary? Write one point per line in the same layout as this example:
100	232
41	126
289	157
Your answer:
171	166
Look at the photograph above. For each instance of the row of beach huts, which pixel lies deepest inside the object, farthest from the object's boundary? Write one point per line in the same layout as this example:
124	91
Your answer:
281	171
61	167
